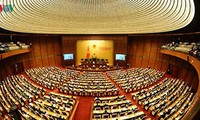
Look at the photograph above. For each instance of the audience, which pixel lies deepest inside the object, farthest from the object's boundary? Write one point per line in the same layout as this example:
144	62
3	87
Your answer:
135	78
167	99
116	107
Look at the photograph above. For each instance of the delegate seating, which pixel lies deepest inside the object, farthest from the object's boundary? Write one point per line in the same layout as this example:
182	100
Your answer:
53	106
1	109
16	90
10	46
135	78
116	107
169	99
191	48
71	73
50	77
89	84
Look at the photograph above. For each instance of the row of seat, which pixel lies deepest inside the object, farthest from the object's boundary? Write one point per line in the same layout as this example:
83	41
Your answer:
16	90
115	107
168	99
73	82
50	77
134	79
9	46
94	83
154	89
53	106
191	48
89	84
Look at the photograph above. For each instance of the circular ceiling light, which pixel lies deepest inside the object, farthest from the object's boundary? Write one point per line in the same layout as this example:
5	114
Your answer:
95	16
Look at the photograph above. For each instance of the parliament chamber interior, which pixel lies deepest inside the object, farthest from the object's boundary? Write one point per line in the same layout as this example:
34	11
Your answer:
99	60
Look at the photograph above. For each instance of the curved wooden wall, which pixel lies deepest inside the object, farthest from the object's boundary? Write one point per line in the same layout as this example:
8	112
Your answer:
144	51
45	51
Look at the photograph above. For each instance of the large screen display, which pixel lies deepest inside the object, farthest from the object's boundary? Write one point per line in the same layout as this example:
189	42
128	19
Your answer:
120	56
69	56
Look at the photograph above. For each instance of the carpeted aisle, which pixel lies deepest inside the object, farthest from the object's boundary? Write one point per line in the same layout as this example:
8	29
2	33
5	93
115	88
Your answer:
83	111
129	97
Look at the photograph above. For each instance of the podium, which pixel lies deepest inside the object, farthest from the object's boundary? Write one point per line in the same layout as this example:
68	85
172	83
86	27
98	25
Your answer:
94	63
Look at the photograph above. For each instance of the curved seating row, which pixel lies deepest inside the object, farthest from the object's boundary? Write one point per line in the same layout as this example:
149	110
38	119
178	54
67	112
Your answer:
53	106
50	107
16	90
170	99
50	77
116	107
89	84
73	82
32	102
135	78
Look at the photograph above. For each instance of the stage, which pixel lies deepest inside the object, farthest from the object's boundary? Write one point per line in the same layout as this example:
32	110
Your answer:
92	69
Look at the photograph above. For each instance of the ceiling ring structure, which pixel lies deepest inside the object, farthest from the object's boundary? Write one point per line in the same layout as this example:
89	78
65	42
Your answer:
95	16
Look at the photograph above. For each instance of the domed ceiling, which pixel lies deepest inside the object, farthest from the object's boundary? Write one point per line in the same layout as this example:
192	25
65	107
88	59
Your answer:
95	16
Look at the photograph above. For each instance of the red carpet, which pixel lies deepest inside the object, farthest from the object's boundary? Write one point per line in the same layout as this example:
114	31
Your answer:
83	111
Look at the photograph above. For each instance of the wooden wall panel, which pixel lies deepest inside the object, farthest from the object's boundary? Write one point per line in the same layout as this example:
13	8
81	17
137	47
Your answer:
180	64
50	48
45	61
43	47
38	62
45	51
138	62
172	60
152	63
36	47
164	66
57	47
3	72
145	62
32	63
52	61
147	49
26	62
194	83
58	61
189	78
183	72
8	63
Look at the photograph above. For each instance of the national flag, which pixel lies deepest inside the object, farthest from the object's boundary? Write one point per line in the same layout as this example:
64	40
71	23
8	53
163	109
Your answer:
88	53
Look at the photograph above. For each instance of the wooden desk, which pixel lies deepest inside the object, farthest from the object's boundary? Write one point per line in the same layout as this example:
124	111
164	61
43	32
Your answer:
31	114
133	115
114	110
94	63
